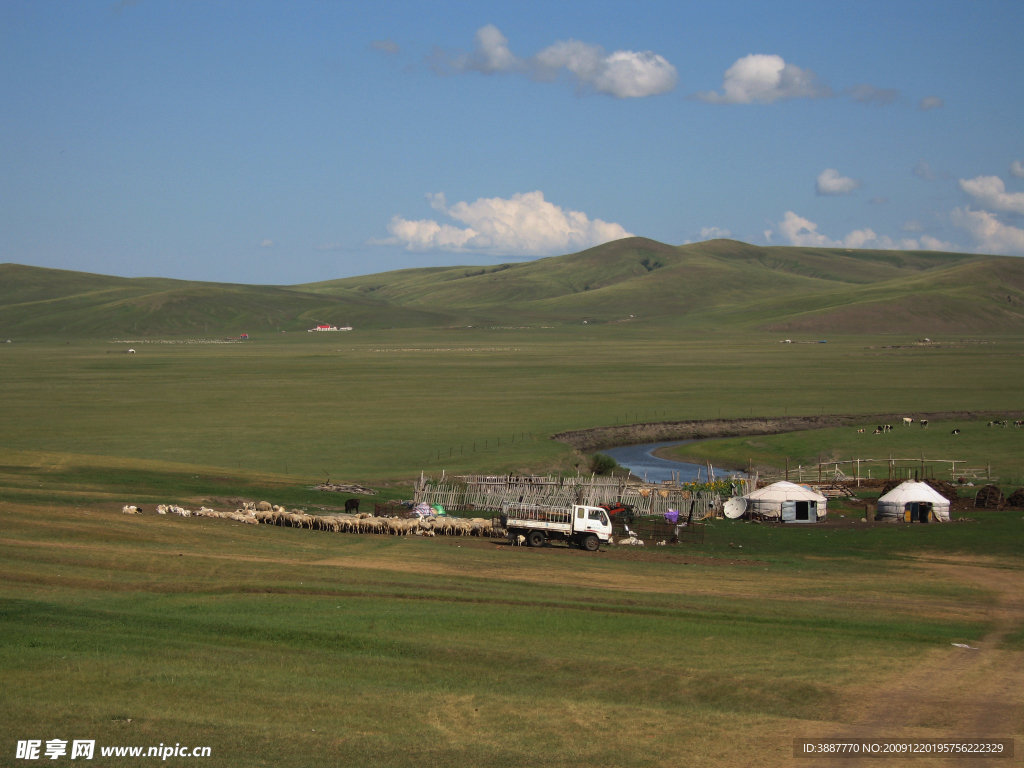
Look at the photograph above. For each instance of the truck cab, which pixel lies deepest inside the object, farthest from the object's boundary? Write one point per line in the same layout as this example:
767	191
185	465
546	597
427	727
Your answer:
592	520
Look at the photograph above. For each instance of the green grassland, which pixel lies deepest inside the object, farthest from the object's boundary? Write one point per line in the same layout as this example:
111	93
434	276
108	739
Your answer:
283	647
977	445
369	406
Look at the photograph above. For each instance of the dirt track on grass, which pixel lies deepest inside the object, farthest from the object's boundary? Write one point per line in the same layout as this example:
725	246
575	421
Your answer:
599	438
954	692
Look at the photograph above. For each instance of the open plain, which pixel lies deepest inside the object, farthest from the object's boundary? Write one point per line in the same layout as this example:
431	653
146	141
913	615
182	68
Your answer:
282	646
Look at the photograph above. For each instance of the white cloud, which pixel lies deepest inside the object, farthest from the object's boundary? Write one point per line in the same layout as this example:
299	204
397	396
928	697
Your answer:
803	232
524	225
385	46
490	54
990	234
924	171
765	78
930	102
830	182
267	244
869	94
632	74
991	192
1017	169
712	233
929	243
623	74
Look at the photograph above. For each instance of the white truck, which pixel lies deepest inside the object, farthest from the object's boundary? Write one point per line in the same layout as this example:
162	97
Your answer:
584	526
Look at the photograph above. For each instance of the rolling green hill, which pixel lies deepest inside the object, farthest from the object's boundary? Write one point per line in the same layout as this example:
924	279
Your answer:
41	302
718	284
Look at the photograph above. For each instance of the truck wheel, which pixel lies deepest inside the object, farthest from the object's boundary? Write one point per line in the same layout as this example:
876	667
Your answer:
535	539
591	543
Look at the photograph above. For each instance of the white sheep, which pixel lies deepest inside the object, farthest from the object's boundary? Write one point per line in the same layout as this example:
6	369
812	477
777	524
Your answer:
131	509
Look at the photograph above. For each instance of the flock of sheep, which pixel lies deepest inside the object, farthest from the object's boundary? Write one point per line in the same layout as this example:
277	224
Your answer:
270	514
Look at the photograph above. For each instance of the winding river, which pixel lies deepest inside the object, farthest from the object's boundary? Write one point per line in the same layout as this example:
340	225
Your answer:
639	459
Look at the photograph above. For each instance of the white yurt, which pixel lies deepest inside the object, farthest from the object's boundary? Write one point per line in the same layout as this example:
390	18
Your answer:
912	503
790	502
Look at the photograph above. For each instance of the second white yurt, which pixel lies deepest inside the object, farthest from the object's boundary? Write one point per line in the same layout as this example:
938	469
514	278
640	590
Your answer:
787	501
914	503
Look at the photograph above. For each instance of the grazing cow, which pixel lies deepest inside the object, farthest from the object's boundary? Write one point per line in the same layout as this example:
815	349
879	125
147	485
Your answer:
860	431
1018	424
924	423
352	505
877	432
955	432
907	421
991	423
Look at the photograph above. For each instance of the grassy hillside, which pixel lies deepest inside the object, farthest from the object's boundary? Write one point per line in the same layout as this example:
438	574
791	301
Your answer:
714	285
40	302
725	284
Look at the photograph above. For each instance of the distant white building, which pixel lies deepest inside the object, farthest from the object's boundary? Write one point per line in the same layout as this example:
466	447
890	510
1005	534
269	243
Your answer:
330	328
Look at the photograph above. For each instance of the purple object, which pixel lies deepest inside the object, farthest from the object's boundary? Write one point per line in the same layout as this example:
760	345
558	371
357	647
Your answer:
672	516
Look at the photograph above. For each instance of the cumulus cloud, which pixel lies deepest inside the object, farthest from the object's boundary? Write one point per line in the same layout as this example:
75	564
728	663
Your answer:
803	232
1017	169
524	225
924	171
765	78
990	234
712	233
831	182
385	46
869	94
991	192
623	74
930	102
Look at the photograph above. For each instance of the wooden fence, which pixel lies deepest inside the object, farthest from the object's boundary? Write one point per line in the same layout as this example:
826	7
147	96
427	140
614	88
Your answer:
491	492
877	469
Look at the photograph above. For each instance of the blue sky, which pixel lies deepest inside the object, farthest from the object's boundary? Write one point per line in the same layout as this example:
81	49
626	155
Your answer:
291	142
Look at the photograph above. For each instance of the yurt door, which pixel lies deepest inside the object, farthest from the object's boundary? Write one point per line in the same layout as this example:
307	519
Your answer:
803	511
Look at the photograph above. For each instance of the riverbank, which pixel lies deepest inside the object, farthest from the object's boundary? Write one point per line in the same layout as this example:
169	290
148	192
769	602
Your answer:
667	453
646	464
601	438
